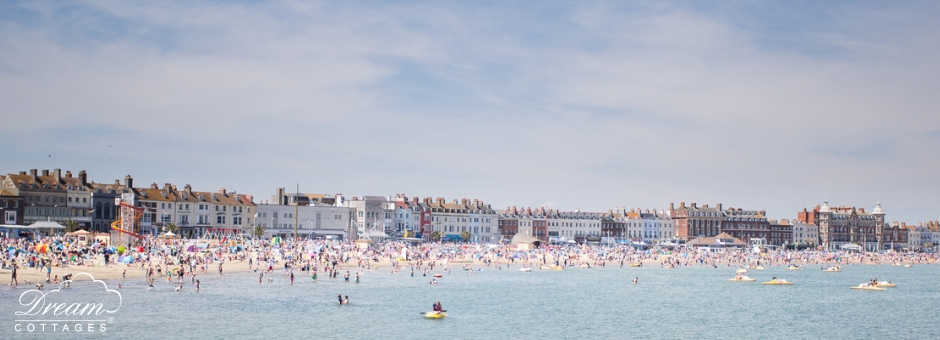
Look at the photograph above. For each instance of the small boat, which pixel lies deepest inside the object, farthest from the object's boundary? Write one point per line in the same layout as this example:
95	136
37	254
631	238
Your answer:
833	269
886	284
908	265
438	275
777	283
558	268
867	287
742	279
793	267
525	270
741	271
435	315
759	268
636	264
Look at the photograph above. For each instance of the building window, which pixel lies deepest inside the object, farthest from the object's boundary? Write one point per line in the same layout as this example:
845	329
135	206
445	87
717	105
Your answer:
220	219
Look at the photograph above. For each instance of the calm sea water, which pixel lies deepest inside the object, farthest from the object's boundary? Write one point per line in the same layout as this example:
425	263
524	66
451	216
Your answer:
596	303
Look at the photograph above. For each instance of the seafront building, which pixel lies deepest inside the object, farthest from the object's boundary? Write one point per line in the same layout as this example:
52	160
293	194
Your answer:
474	217
45	196
580	226
290	213
693	221
526	221
922	236
854	228
805	233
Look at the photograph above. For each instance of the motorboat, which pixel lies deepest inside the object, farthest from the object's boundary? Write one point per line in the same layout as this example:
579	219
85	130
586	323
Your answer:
793	267
886	284
525	269
636	264
866	286
835	269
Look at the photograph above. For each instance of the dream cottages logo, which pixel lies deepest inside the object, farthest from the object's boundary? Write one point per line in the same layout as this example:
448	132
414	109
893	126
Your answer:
73	307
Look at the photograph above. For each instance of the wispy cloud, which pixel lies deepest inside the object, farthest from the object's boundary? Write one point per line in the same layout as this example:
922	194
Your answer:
587	105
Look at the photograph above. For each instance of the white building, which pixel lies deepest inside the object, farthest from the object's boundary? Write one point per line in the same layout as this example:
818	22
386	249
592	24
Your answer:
803	232
309	221
452	219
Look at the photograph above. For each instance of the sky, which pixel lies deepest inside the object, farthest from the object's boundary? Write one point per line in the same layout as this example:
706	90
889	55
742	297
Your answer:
588	105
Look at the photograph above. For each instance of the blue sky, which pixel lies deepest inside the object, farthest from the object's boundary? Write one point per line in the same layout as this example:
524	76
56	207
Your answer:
572	105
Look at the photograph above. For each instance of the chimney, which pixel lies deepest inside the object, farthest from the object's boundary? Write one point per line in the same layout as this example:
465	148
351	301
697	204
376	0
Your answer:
223	192
45	172
693	205
718	206
68	174
83	176
34	173
154	186
58	175
672	206
681	205
129	181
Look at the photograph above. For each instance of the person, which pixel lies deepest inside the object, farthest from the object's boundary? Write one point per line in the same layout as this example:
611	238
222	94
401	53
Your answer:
636	279
340	298
346	276
773	279
437	307
197	286
346	300
13	281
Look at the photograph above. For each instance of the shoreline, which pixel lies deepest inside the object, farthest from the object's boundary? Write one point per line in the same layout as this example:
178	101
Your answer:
136	272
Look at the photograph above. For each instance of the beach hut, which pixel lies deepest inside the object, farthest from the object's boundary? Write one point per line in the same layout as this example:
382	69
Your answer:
363	243
83	236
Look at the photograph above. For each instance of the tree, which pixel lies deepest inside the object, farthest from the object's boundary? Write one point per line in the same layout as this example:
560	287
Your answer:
171	228
71	226
435	236
258	231
465	235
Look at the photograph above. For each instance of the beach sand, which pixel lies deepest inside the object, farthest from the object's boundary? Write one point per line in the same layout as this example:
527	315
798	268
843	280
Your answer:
134	271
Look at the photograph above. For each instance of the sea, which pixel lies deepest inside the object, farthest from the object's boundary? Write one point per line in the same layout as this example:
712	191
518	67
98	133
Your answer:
577	303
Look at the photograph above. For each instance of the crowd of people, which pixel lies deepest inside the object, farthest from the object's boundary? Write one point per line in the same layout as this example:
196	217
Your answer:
179	260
